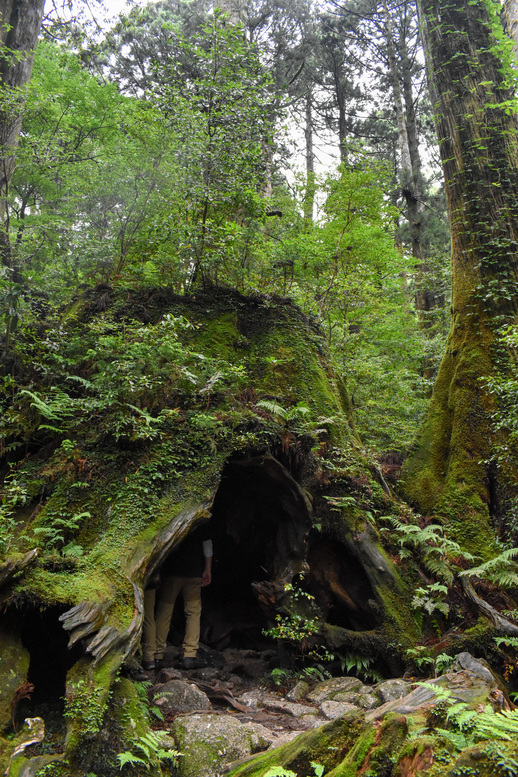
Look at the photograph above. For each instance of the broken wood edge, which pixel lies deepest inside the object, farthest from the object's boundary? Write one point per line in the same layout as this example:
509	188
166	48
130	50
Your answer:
11	568
499	621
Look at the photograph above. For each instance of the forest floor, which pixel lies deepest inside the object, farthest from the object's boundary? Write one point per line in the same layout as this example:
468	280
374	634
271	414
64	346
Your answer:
248	686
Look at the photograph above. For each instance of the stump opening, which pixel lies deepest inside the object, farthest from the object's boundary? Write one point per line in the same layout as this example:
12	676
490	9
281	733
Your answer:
341	587
41	634
260	521
261	530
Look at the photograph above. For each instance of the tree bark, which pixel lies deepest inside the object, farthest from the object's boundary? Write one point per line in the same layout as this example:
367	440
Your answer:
450	471
309	195
510	11
20	22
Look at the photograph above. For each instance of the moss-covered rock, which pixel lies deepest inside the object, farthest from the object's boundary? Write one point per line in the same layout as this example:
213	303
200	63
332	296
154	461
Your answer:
325	746
208	742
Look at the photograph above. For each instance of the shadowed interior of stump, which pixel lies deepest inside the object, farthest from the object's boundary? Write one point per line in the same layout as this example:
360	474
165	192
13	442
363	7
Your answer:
43	637
261	530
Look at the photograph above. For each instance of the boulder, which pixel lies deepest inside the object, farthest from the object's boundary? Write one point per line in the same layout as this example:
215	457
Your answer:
478	666
335	709
290	707
367	701
168	674
328	689
389	690
464	686
208	742
181	696
299	691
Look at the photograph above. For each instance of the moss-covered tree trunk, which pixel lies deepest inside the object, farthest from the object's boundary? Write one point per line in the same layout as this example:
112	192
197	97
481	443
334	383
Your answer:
450	473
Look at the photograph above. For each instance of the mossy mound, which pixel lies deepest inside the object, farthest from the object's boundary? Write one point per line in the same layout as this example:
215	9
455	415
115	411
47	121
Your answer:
139	414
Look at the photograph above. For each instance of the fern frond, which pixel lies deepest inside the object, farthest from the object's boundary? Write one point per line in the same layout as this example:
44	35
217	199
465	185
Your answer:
461	714
83	381
501	570
129	758
272	407
498	725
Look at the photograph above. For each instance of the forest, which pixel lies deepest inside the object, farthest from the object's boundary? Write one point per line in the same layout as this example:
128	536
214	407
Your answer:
259	270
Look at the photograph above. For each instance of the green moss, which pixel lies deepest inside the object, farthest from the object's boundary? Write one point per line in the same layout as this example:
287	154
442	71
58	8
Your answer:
137	487
14	665
318	745
446	475
355	758
89	688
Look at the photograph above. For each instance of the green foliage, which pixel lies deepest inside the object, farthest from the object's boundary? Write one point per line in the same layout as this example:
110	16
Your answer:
431	598
293	628
347	272
422	657
476	724
501	570
151	753
360	665
135	370
14	495
55	406
507	641
318	673
217	99
11	295
437	552
279	771
283	414
300	624
171	190
280	676
54	532
88	705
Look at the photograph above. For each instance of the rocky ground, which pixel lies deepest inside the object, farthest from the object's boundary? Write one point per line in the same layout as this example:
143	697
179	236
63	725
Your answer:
224	713
222	716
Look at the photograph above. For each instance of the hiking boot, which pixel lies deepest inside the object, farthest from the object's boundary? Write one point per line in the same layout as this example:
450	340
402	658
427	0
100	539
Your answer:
148	665
193	662
163	663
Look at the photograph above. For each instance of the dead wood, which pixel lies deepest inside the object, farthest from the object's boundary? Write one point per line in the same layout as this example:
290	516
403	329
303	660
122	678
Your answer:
11	568
502	624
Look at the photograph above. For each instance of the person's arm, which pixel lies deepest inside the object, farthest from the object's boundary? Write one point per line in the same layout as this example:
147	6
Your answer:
207	572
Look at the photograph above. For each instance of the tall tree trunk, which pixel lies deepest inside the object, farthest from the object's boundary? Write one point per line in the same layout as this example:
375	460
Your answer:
404	150
510	10
449	473
400	74
309	195
20	22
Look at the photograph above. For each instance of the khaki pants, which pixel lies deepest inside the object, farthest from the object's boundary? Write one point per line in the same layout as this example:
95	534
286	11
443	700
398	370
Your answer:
157	616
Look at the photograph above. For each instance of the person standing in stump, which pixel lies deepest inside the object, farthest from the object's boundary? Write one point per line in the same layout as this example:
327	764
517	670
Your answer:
186	570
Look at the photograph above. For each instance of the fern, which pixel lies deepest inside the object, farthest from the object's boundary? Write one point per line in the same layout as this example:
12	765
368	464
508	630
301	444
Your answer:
478	725
501	570
129	758
436	550
498	725
285	414
150	747
507	641
54	407
83	381
456	738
